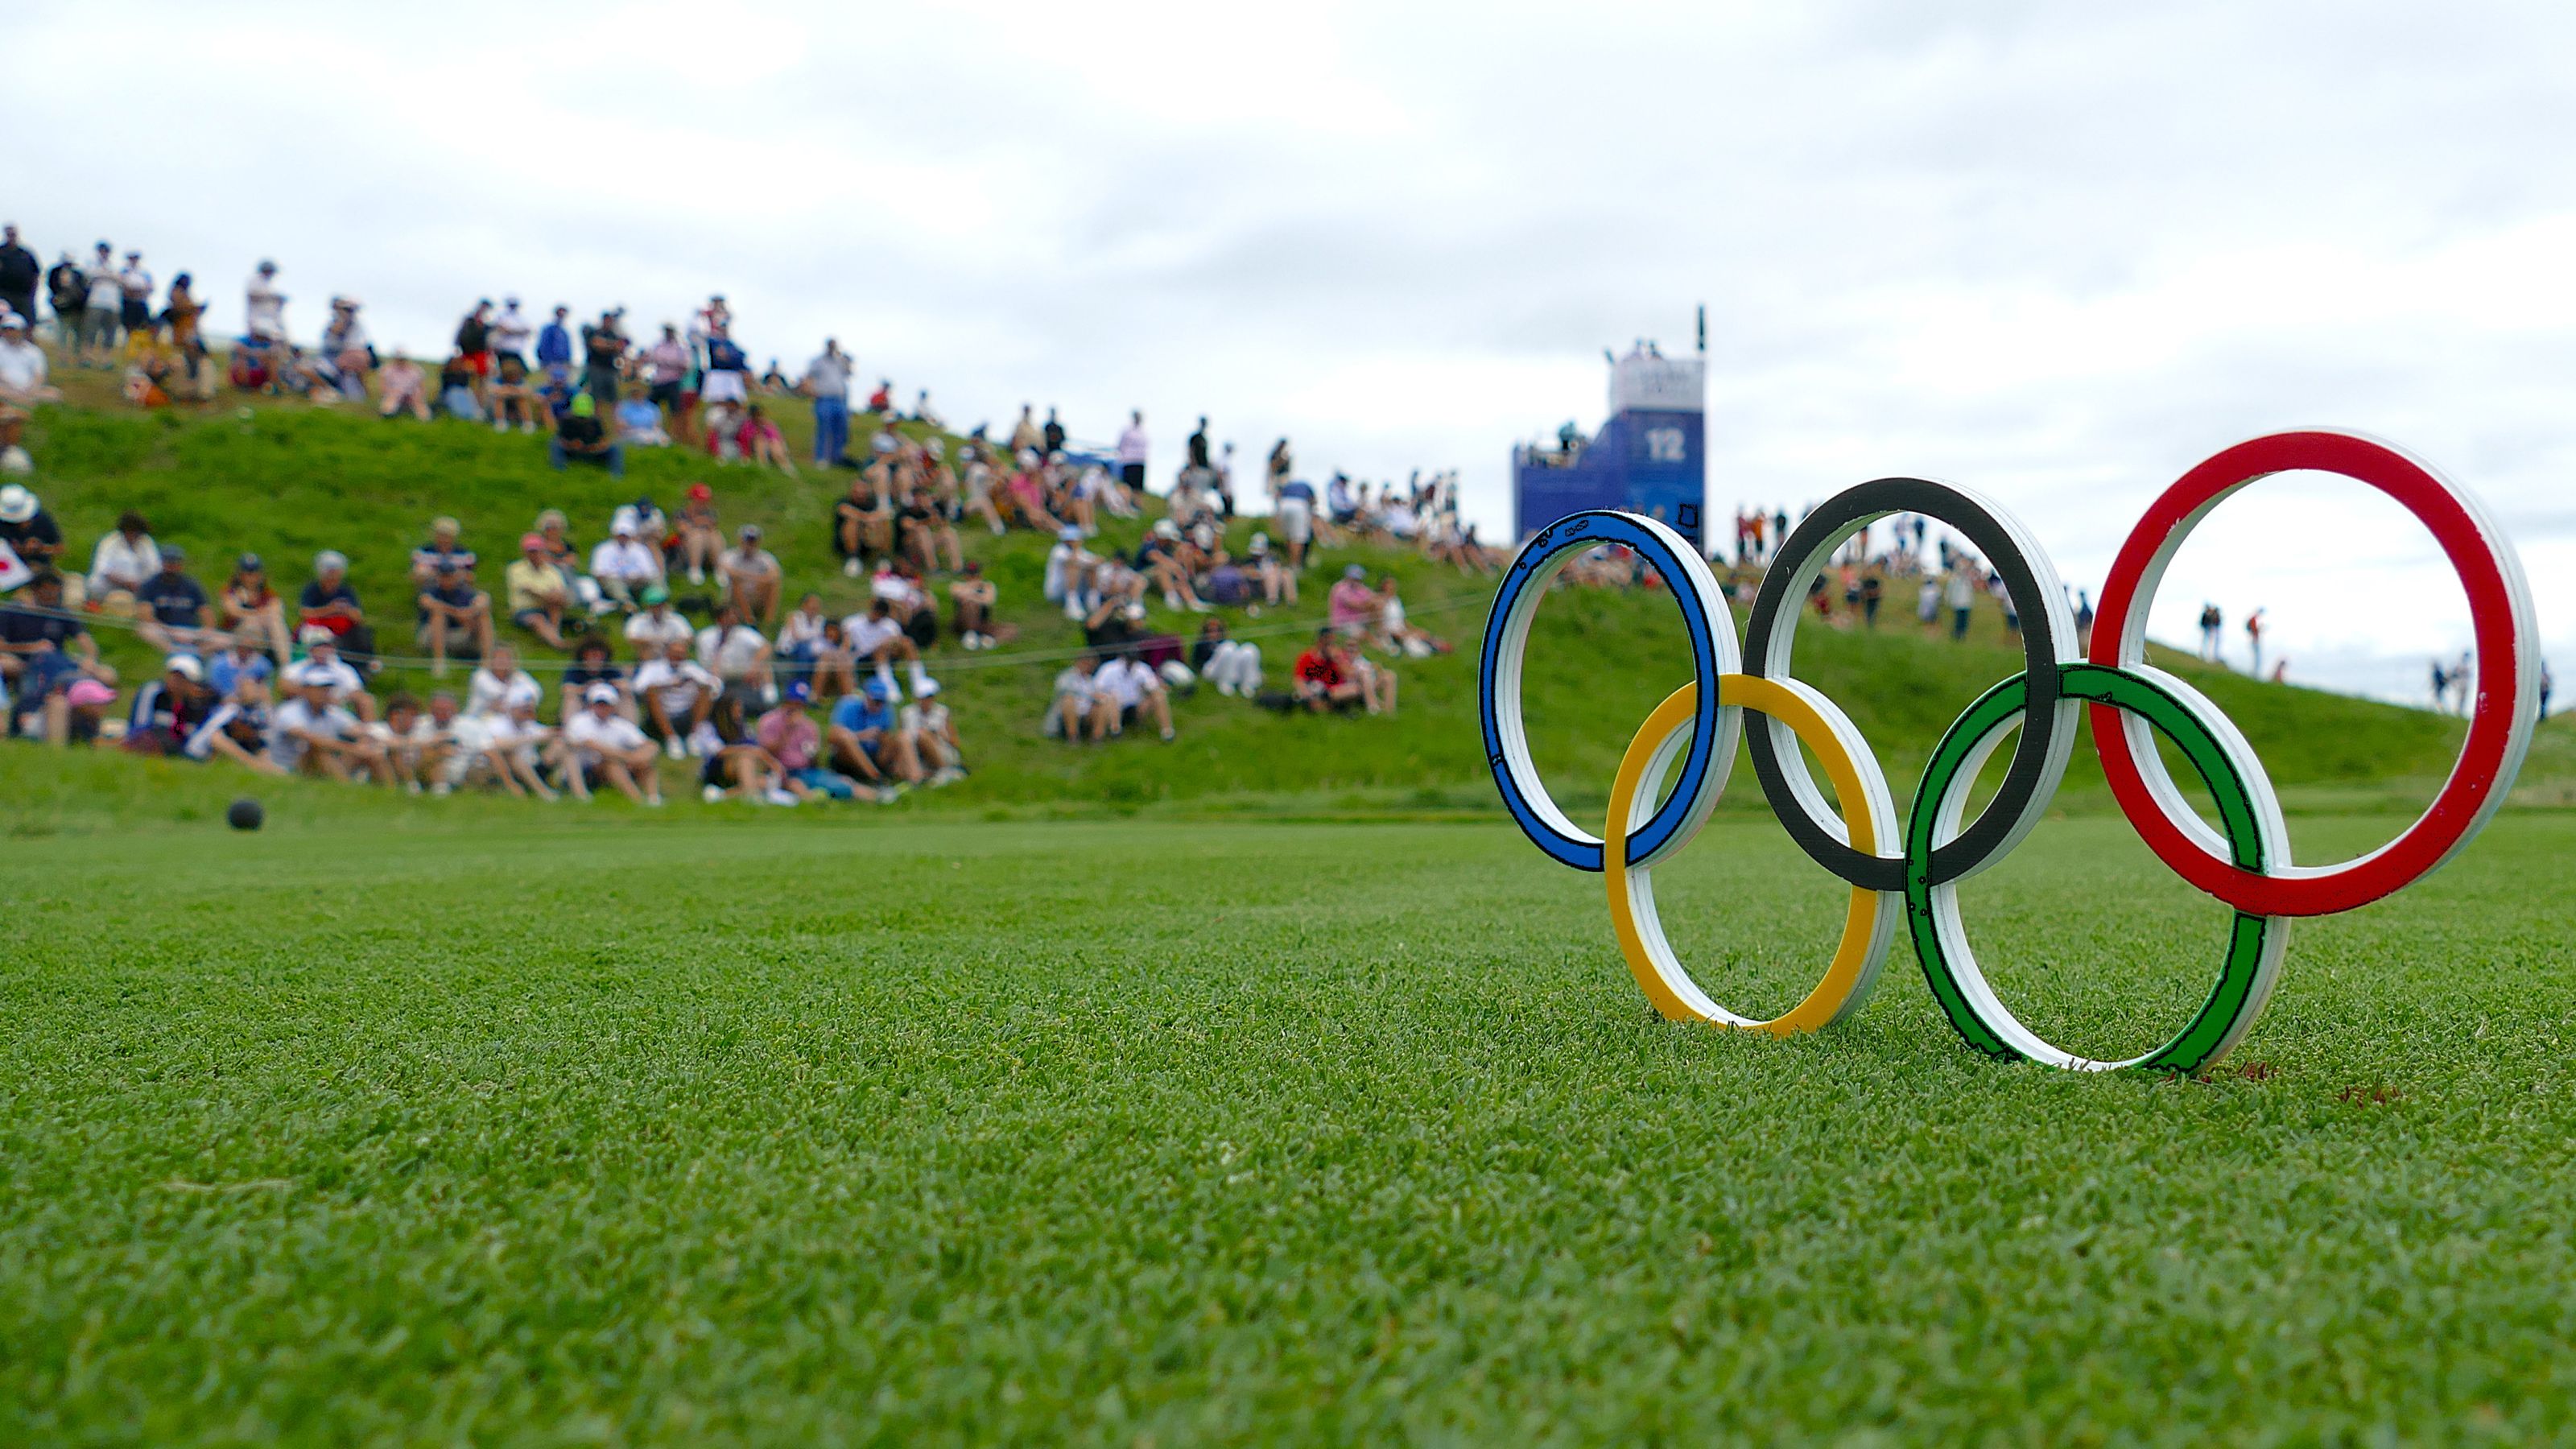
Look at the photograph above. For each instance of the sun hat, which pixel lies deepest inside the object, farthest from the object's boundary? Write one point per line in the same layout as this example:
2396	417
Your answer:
17	505
445	524
330	560
88	692
600	694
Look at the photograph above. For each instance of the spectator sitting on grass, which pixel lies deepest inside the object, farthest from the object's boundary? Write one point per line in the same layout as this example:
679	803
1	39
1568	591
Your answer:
416	745
877	639
971	599
1128	687
801	635
538	593
500	685
639	423
751	578
1352	605
230	659
454	613
651	630
174	607
329	604
834	664
1158	560
926	532
623	566
514	396
700	536
736	653
1396	634
348	688
592	664
862	524
1079	710
1233	666
29	530
791	738
934	738
252	610
440	553
676	694
125	558
237	729
761	443
456	380
578	438
1271	575
606	747
517	746
167	711
735	763
400	388
317	736
867	741
1321	681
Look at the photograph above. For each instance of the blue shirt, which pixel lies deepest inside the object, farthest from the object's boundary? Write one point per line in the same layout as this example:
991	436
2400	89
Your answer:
1294	488
223	672
857	714
554	345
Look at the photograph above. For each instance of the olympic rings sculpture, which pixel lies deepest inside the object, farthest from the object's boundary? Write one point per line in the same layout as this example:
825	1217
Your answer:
1912	871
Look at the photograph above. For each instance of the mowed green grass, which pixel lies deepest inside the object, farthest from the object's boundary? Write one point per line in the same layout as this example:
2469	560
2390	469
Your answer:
1147	1132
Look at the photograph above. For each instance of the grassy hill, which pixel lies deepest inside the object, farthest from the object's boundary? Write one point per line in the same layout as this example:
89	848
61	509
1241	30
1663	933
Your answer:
288	479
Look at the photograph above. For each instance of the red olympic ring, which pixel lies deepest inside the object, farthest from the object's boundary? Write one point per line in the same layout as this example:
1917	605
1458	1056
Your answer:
2500	727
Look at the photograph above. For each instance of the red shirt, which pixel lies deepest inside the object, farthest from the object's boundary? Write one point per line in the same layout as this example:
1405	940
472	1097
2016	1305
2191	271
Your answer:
1316	667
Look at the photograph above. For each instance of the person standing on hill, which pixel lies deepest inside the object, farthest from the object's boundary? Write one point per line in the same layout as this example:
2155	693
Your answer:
1025	434
68	287
2254	642
554	346
603	348
1961	598
264	307
19	273
827	382
133	294
474	349
1052	434
1133	449
98	315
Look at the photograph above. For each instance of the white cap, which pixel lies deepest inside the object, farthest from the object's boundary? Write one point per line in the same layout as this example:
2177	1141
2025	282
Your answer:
17	505
600	694
186	667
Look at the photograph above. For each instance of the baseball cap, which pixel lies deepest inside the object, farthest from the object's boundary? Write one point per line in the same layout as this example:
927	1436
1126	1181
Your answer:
799	692
17	505
314	634
1355	572
600	694
699	493
1069	534
750	531
186	667
249	563
173	553
330	559
12	320
88	692
1166	528
656	594
879	689
531	540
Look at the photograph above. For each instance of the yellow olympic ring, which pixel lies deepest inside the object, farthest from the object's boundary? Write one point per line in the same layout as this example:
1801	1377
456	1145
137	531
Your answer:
1868	925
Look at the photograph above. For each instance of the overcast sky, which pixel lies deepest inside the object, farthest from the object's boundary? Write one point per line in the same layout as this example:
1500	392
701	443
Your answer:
2059	252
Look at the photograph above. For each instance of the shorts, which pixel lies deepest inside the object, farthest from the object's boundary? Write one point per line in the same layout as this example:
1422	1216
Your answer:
1296	520
820	780
1132	474
666	396
529	619
600	382
721	387
478	363
135	314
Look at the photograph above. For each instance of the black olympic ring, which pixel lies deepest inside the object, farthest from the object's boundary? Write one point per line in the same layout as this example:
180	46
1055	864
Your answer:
2048	641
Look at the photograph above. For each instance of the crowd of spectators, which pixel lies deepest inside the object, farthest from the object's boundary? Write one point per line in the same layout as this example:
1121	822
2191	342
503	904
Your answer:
286	685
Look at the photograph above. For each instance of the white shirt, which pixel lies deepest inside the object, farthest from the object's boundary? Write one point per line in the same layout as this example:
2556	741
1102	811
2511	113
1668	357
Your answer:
590	734
625	559
650	635
800	628
267	307
136	282
22	366
489	694
1126	681
868	634
1076	683
1059	560
730	653
1960	595
330	721
733	564
510	333
676	685
339	674
117	559
1131	444
828	375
